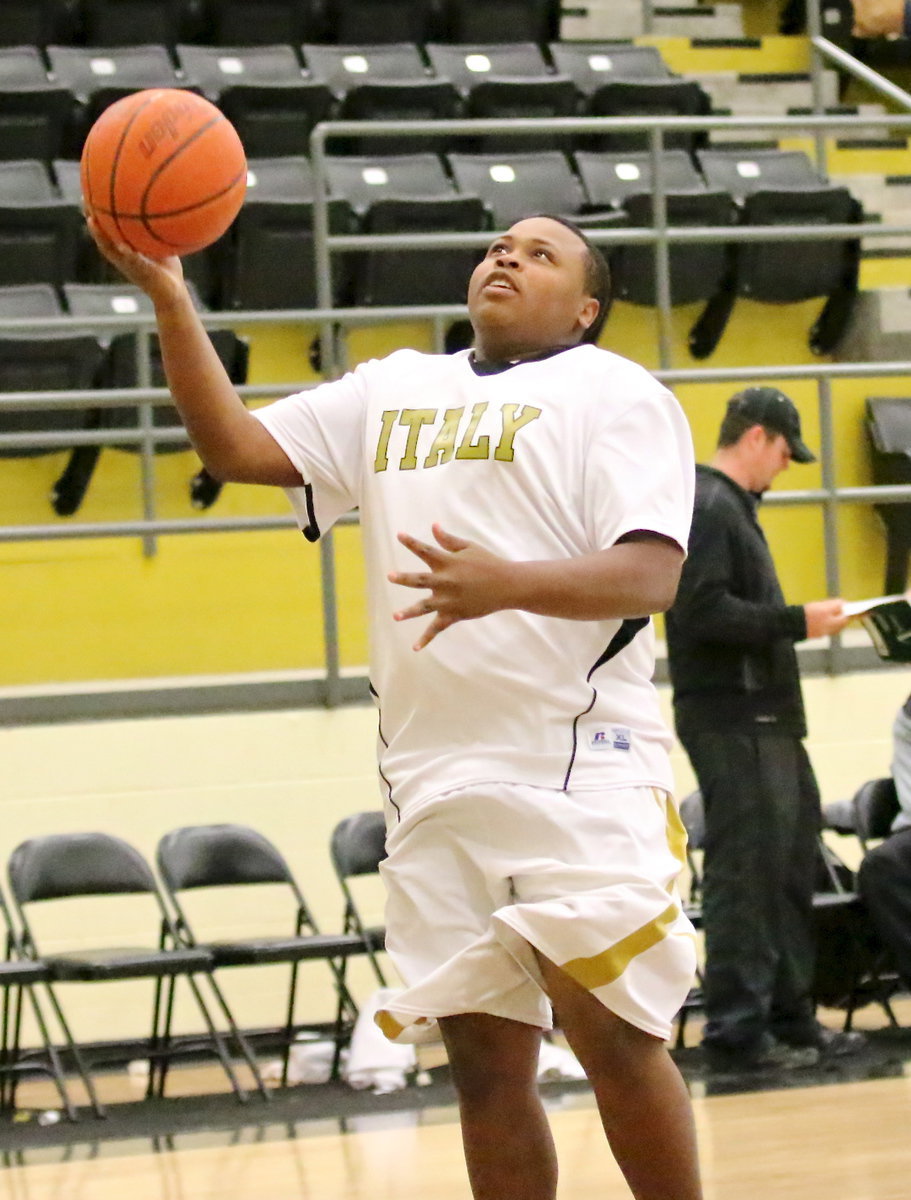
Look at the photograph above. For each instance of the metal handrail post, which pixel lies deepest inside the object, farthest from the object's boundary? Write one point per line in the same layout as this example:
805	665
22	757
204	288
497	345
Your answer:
817	82
662	253
829	510
146	422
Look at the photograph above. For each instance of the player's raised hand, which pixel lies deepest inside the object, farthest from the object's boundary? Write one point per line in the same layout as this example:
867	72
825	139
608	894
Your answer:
463	582
160	278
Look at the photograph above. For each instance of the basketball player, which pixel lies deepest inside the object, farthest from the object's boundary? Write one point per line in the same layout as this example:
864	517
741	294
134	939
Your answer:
535	493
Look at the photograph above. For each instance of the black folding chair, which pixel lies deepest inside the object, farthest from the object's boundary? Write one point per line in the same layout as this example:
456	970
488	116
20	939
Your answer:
357	848
19	976
66	866
226	856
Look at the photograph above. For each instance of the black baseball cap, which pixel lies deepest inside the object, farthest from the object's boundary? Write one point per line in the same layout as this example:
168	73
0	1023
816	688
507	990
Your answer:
772	409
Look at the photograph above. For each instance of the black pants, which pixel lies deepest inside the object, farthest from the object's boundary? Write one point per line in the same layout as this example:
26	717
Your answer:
762	820
884	882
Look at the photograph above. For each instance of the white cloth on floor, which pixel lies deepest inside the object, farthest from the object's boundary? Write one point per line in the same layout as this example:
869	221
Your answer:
308	1062
556	1062
373	1061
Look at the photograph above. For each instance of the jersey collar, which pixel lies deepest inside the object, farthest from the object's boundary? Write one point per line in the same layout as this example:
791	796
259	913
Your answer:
497	368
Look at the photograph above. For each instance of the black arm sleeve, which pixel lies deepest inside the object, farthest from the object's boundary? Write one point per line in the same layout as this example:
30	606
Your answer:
707	606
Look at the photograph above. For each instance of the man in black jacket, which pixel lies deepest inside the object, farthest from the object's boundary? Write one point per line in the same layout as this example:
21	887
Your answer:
739	713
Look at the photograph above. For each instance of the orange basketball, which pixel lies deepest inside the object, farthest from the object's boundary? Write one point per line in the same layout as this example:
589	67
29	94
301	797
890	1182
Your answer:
164	172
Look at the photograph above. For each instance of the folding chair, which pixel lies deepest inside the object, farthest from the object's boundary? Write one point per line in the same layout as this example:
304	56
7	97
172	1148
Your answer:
357	848
19	976
65	866
226	856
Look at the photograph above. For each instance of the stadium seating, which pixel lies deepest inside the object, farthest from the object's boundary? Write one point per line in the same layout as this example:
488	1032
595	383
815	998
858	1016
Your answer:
512	185
39	229
262	91
35	113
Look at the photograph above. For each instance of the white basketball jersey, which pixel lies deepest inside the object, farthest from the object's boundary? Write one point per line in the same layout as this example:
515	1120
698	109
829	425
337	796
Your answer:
548	459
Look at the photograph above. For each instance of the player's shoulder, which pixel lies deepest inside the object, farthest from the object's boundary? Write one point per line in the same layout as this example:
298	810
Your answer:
407	359
615	366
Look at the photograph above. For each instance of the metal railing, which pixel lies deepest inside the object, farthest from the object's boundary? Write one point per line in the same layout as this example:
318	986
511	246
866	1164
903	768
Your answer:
330	320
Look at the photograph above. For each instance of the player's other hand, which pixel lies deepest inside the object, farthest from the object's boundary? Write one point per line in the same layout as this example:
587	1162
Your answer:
876	18
462	581
161	279
825	617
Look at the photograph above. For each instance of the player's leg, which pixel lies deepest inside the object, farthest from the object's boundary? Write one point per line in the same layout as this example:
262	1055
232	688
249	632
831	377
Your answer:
509	1149
644	1105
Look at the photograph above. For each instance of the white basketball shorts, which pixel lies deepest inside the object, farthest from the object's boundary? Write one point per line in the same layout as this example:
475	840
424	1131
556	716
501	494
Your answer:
480	875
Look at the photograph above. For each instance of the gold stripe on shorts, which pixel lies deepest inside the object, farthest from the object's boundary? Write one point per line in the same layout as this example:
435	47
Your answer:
676	830
388	1024
602	969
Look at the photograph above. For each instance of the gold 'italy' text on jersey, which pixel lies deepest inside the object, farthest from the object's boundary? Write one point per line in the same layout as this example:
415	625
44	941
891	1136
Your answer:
455	434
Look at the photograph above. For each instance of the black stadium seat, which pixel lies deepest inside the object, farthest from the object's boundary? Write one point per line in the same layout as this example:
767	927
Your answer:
783	188
646	98
39	229
592	64
384	20
514	185
269	260
505	81
130	22
37	22
35	113
506	21
99	75
264	22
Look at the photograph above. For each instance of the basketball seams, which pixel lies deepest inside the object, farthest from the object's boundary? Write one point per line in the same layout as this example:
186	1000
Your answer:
115	164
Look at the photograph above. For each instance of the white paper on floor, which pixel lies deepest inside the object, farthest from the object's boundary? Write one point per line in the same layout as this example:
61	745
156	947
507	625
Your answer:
372	1061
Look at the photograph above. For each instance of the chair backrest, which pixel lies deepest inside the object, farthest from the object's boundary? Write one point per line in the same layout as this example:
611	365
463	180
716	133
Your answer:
648	97
364	180
345	66
87	69
280	177
278	117
124	22
469	65
507	20
514	184
590	64
742	172
385	20
875	806
36	22
889	419
358	844
77	864
265	22
610	178
215	68
197	856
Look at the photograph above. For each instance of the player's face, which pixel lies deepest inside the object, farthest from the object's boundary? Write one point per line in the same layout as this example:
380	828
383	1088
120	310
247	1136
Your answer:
528	293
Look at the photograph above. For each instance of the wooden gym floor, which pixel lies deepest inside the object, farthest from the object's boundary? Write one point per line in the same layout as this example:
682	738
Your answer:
837	1134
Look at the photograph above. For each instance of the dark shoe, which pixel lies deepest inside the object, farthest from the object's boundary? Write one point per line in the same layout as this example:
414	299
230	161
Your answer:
769	1054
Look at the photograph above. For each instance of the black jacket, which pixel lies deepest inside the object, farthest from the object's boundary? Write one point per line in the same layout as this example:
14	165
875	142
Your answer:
730	635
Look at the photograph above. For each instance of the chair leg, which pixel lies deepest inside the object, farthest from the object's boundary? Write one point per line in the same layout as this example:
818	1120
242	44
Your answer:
53	1058
160	1037
239	1039
217	1041
289	1024
76	1053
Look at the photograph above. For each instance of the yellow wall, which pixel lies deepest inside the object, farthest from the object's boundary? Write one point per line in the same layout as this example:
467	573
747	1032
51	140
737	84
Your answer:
223	603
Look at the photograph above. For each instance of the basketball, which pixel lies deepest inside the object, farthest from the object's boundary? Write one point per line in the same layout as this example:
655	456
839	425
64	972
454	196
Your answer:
163	171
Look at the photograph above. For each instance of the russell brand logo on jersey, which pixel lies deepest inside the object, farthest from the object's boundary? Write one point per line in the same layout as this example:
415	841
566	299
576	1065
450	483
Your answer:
615	738
455	435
